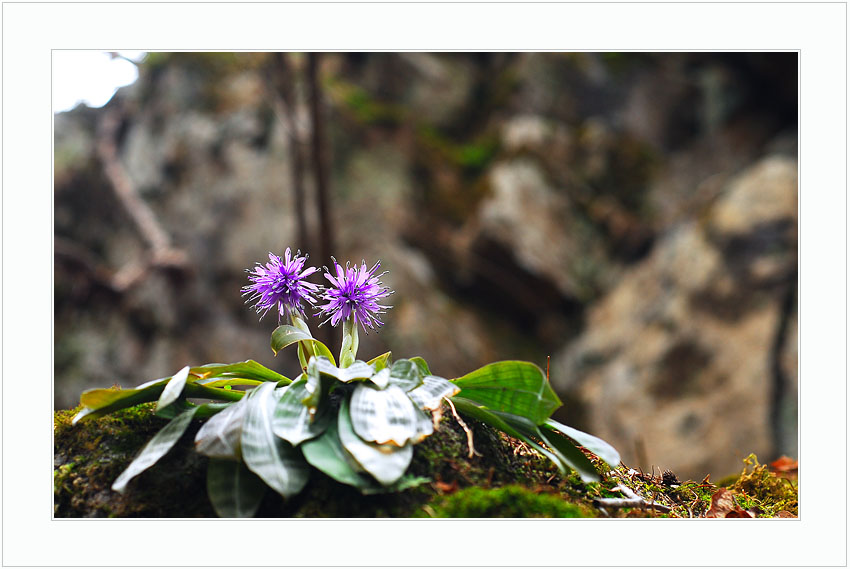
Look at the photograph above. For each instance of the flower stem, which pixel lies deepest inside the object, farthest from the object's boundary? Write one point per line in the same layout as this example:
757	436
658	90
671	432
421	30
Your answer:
305	349
350	343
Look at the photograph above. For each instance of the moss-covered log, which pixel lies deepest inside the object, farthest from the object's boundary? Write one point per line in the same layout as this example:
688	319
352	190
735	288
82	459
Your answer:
508	479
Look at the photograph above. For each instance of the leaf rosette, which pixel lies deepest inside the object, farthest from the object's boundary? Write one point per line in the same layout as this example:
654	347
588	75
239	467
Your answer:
357	422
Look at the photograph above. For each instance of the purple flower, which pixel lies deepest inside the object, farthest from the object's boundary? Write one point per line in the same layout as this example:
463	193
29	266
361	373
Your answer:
281	283
354	292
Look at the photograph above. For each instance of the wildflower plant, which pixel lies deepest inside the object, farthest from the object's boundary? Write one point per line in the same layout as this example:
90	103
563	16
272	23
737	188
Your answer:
356	421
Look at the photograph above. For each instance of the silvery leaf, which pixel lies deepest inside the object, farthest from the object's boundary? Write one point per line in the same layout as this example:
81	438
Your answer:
383	416
424	425
357	370
431	392
381	379
173	389
221	435
405	374
292	420
156	448
267	455
234	491
386	463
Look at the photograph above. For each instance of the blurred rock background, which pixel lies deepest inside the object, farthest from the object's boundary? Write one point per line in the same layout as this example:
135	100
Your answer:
632	215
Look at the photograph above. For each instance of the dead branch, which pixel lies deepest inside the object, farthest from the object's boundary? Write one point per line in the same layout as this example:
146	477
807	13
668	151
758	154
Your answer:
321	176
320	157
472	451
632	500
161	252
284	103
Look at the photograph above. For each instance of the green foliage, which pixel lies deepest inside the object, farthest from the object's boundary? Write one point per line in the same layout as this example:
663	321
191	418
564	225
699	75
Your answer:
518	388
506	502
356	423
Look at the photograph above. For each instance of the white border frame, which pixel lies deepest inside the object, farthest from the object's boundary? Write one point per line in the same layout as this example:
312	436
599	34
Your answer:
30	31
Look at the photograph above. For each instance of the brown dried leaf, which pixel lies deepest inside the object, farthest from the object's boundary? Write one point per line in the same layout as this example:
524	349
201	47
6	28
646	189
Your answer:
783	464
784	467
445	487
723	505
785	514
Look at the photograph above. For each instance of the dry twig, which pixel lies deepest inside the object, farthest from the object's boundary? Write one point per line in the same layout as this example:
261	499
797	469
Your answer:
162	254
632	500
472	451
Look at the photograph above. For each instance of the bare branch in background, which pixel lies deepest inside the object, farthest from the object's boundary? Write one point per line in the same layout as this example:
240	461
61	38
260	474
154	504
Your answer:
320	158
321	170
161	252
284	102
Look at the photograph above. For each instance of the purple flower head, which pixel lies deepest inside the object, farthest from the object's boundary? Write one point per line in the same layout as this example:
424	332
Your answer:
281	283
354	292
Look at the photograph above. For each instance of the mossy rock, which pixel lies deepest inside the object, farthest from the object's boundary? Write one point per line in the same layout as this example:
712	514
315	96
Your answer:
506	480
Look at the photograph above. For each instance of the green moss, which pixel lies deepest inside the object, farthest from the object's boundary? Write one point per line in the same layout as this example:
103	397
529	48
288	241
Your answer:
90	455
760	489
505	502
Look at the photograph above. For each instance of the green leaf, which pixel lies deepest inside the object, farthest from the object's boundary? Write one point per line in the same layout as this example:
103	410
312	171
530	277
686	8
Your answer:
100	402
292	420
205	392
561	451
221	436
319	349
327	454
497	421
385	416
204	411
156	448
286	335
422	365
234	491
405	374
249	369
208	410
569	454
173	389
267	455
174	409
594	444
386	463
515	387
382	361
430	394
229	382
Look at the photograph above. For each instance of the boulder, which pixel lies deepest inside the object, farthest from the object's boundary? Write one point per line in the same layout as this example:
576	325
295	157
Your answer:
690	361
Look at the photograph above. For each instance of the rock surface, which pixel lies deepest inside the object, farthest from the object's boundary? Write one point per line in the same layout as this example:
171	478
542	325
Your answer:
692	346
